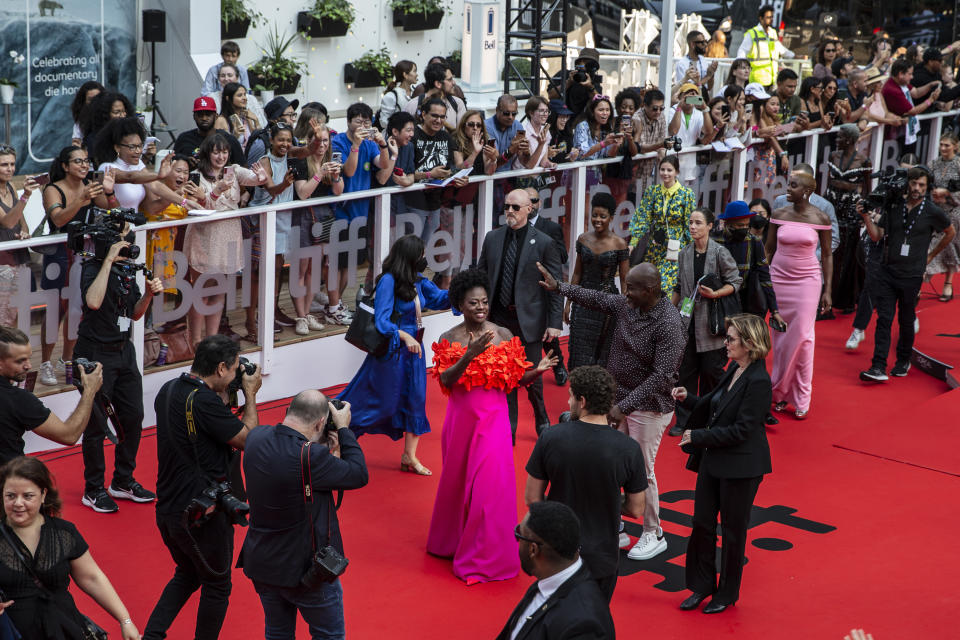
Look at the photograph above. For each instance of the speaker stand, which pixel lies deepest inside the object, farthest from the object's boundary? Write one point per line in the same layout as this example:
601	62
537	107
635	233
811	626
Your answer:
157	114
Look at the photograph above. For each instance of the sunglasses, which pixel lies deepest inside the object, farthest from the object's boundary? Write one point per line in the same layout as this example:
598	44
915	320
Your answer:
508	113
601	97
513	207
474	125
660	108
534	200
519	536
437	116
727	339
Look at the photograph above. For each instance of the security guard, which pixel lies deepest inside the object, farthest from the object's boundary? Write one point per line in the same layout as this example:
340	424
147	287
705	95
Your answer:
763	48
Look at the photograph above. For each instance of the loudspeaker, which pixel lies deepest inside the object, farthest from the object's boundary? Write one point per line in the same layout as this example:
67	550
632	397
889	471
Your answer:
154	25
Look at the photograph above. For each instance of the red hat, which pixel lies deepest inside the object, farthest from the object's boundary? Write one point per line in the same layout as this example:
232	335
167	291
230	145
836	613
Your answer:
204	104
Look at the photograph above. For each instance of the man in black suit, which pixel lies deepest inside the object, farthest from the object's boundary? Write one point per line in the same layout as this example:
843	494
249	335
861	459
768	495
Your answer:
565	601
509	256
555	231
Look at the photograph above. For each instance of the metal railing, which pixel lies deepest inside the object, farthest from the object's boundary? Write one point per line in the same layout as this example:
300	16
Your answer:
575	213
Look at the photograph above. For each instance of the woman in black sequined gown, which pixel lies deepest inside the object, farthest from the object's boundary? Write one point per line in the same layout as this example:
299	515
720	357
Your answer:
602	256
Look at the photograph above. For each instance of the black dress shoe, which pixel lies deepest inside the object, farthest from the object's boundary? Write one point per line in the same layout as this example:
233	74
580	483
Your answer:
714	607
676	431
770	420
560	375
693	601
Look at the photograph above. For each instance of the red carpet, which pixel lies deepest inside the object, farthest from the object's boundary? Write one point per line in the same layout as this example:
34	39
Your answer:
859	536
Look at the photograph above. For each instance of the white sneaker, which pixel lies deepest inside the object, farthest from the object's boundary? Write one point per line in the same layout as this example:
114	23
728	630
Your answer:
624	540
313	324
47	375
60	367
337	315
301	328
648	546
855	339
320	302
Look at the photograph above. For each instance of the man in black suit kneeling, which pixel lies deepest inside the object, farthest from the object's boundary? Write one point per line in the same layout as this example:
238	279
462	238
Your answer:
565	601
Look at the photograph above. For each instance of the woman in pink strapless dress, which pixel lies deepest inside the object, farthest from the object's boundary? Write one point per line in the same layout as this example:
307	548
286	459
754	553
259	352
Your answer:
798	279
476	506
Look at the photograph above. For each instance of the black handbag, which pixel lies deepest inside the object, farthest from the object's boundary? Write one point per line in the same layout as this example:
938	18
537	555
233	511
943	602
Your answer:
363	333
620	170
751	292
89	629
326	564
719	309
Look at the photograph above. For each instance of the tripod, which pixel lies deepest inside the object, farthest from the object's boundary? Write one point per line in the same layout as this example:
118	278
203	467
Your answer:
153	97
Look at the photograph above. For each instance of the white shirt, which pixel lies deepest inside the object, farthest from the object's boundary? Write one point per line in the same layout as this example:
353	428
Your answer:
128	194
703	64
545	588
534	142
689	135
762	52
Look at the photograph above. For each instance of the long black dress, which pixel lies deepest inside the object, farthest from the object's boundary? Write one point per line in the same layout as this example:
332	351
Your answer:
590	330
848	272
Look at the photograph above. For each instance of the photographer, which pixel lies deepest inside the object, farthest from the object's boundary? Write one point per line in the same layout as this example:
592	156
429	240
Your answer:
111	300
906	227
196	435
21	411
313	441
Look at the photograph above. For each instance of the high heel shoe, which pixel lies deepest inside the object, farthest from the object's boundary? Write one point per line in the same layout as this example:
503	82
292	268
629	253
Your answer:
780	407
801	415
943	294
414	467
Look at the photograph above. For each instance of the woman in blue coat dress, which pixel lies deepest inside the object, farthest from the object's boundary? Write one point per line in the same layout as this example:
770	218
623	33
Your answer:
388	394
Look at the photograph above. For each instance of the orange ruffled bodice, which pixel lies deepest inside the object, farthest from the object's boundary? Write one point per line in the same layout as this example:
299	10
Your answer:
500	366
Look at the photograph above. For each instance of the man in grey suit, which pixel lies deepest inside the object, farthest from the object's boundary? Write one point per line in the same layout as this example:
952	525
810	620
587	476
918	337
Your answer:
517	302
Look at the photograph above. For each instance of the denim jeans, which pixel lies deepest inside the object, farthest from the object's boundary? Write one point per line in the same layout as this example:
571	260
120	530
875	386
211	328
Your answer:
321	608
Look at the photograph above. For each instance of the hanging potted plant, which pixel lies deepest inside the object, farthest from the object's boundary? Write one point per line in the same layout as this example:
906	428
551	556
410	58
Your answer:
276	71
417	15
454	62
236	18
7	85
327	19
372	69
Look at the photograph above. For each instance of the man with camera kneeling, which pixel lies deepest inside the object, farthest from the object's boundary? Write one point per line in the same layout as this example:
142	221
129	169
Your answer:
111	301
21	411
292	470
196	436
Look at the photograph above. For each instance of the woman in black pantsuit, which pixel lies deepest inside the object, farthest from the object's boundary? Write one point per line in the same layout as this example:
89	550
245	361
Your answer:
729	451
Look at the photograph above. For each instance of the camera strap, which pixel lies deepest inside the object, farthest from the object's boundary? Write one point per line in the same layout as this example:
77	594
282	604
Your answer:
307	480
191	429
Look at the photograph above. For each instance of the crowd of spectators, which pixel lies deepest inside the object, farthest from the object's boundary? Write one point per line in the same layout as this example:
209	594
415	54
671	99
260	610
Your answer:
648	344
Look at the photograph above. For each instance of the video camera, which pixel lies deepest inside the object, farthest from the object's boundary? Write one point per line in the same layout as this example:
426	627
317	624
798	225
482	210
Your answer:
105	228
892	186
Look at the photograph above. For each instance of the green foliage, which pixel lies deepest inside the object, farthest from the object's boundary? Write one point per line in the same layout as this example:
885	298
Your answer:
276	66
336	10
418	6
378	61
237	11
455	56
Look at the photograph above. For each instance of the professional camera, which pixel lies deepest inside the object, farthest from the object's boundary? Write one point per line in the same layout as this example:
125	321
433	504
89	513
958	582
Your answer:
245	367
673	142
105	228
216	497
893	185
581	73
82	363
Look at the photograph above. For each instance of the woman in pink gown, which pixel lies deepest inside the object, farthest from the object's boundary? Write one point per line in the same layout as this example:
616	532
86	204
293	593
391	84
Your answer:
798	279
476	506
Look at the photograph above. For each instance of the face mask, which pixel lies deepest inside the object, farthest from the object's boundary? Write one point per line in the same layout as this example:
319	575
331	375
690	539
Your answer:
420	265
737	235
758	222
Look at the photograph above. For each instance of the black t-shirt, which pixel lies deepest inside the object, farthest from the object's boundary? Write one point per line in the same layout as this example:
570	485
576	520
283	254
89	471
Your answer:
302	172
586	466
104	324
20	411
921	222
178	478
429	152
188	143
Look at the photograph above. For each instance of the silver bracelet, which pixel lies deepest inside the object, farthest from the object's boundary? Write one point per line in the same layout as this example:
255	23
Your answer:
126	621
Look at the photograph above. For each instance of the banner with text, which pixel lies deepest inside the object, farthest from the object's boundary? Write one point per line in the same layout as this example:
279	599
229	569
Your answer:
64	43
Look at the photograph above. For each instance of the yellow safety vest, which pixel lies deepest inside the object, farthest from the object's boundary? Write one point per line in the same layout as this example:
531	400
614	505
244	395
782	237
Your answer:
762	70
